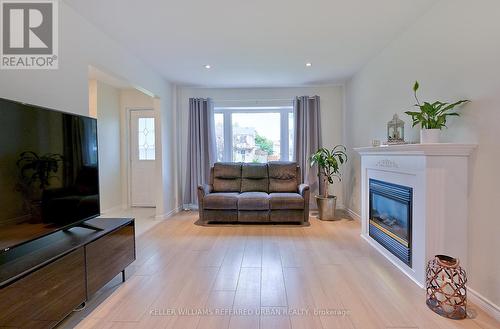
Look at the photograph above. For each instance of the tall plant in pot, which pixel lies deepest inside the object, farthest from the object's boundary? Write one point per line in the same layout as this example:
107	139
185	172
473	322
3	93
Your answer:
329	163
432	117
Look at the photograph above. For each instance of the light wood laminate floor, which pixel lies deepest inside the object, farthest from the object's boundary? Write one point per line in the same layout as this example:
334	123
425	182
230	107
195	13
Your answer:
322	276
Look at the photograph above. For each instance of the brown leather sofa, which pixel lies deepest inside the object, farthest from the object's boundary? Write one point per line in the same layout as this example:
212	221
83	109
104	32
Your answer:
253	193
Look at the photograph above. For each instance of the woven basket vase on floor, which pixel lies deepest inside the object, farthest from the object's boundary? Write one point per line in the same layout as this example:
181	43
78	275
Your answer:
446	290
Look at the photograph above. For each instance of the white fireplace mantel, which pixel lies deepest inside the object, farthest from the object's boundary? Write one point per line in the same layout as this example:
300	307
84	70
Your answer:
438	175
441	149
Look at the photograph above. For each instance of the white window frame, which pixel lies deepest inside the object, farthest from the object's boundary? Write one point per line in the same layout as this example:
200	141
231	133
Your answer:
227	111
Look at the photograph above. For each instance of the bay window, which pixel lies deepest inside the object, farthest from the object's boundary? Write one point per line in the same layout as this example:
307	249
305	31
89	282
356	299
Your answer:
254	134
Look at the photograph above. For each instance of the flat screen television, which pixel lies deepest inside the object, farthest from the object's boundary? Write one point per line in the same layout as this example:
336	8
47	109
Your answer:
49	176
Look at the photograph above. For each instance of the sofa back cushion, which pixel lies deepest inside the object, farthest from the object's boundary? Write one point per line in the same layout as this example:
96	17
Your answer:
283	177
227	177
254	177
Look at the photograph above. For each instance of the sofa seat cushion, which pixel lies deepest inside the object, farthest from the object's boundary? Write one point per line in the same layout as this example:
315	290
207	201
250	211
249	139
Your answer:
221	201
253	201
286	201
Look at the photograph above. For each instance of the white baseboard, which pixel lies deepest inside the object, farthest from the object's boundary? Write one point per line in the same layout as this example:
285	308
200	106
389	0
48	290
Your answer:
170	213
381	249
476	298
189	206
353	214
484	303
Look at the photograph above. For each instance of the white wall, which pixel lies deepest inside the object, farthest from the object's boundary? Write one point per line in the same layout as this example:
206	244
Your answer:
170	153
81	45
331	111
454	52
108	131
93	98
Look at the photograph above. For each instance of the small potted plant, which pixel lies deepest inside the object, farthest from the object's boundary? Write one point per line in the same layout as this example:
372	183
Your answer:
329	162
432	117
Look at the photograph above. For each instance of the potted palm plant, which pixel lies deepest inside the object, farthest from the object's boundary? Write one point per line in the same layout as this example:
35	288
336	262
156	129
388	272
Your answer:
329	163
432	117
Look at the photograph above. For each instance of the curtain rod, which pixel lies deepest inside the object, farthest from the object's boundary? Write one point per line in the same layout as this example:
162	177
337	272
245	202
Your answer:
256	99
252	100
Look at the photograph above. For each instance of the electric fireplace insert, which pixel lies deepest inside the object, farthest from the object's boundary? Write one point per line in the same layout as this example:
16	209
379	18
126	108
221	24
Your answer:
391	217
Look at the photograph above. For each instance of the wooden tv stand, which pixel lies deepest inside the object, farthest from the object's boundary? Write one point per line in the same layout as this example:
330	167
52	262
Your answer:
44	280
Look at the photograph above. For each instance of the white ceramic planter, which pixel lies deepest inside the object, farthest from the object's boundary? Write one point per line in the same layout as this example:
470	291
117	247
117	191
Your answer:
430	136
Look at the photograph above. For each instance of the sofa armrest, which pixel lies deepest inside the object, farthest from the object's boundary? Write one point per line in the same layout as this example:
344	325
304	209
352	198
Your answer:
205	189
304	190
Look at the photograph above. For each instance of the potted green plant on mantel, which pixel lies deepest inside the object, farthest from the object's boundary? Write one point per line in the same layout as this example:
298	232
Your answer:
432	117
329	163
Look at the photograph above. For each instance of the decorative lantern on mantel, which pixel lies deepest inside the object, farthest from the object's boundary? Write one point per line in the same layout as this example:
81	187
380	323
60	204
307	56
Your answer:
446	290
396	131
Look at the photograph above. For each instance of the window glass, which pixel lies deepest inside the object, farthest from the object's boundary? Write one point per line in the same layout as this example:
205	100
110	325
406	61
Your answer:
291	136
256	137
254	134
146	144
219	135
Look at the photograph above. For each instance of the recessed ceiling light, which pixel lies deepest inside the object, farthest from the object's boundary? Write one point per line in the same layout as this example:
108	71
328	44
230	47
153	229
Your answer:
208	66
308	64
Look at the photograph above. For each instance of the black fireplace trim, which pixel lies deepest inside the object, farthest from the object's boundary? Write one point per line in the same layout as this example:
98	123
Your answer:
396	248
399	193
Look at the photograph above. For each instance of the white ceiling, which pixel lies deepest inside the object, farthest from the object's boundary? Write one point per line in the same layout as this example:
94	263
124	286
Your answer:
253	43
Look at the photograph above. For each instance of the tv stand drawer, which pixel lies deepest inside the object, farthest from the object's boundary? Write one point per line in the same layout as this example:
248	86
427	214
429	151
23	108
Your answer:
41	299
108	256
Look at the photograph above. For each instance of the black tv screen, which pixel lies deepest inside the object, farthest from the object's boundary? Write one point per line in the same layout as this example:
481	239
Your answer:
48	171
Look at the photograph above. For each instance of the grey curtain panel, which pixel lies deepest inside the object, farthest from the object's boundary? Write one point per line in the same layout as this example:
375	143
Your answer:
307	138
201	152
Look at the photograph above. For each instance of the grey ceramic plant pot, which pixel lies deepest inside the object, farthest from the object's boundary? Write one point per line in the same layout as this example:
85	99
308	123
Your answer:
326	207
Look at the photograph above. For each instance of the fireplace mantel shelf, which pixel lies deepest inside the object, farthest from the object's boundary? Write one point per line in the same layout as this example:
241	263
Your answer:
440	149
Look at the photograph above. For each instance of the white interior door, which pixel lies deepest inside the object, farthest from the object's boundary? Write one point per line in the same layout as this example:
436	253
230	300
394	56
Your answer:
142	158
